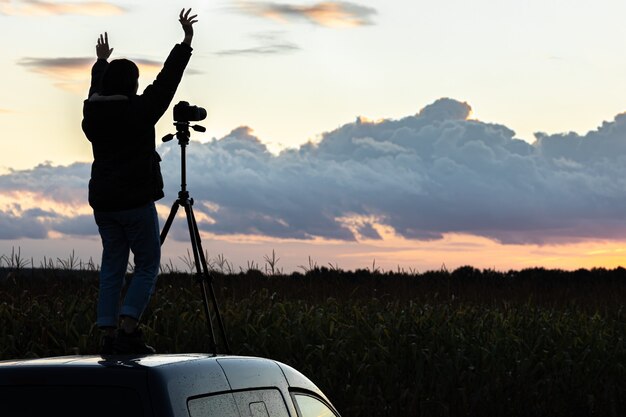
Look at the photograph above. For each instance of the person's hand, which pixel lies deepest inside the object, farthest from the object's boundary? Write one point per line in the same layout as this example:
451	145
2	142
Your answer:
102	48
187	22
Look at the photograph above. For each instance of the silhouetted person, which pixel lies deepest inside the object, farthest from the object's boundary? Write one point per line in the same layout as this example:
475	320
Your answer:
126	181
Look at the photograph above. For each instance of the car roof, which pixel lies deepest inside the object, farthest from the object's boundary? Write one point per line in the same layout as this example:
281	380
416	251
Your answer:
192	372
149	361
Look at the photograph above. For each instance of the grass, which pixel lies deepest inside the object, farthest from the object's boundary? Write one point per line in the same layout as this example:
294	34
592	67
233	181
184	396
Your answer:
466	342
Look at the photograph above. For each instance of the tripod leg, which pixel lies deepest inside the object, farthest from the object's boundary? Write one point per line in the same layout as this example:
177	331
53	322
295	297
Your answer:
194	236
209	281
170	219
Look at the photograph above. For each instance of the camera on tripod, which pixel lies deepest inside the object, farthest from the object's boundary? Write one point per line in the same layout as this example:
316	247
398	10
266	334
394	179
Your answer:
185	112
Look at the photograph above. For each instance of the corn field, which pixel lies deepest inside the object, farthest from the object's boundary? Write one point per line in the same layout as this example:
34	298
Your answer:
466	342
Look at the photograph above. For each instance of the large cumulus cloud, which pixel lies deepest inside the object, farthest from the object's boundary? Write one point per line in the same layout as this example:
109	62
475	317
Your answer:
422	176
425	175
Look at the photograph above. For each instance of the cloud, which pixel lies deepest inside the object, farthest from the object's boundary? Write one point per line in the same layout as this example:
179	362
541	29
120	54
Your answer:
275	49
16	226
16	223
78	66
73	74
148	65
327	14
48	8
65	67
61	184
82	225
269	43
62	189
424	176
70	74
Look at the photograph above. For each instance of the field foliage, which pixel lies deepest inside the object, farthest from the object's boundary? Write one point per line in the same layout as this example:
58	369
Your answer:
444	343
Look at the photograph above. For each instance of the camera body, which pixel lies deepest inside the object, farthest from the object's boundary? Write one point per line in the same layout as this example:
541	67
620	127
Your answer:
185	112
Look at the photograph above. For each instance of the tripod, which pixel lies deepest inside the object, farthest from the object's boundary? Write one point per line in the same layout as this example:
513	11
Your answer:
202	272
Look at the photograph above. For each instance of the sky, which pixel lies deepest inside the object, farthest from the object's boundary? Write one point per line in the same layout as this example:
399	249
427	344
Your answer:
361	134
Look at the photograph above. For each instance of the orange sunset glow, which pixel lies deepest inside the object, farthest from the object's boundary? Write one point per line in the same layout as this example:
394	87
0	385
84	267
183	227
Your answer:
345	133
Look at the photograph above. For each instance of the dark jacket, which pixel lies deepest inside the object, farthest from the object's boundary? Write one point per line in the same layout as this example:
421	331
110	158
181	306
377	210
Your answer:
125	172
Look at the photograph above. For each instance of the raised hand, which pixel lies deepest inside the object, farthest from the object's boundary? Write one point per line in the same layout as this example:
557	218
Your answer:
102	47
187	22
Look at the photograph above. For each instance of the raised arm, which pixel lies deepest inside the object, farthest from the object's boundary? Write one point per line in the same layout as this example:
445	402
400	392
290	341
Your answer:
103	52
158	96
187	23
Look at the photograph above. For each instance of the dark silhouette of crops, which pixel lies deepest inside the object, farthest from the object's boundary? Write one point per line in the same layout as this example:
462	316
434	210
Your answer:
468	342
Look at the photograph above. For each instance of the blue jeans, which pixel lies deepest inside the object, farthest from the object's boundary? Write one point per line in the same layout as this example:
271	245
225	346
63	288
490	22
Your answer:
135	230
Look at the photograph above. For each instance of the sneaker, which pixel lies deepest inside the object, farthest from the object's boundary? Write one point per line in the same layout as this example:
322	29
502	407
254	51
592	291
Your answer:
106	345
131	343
